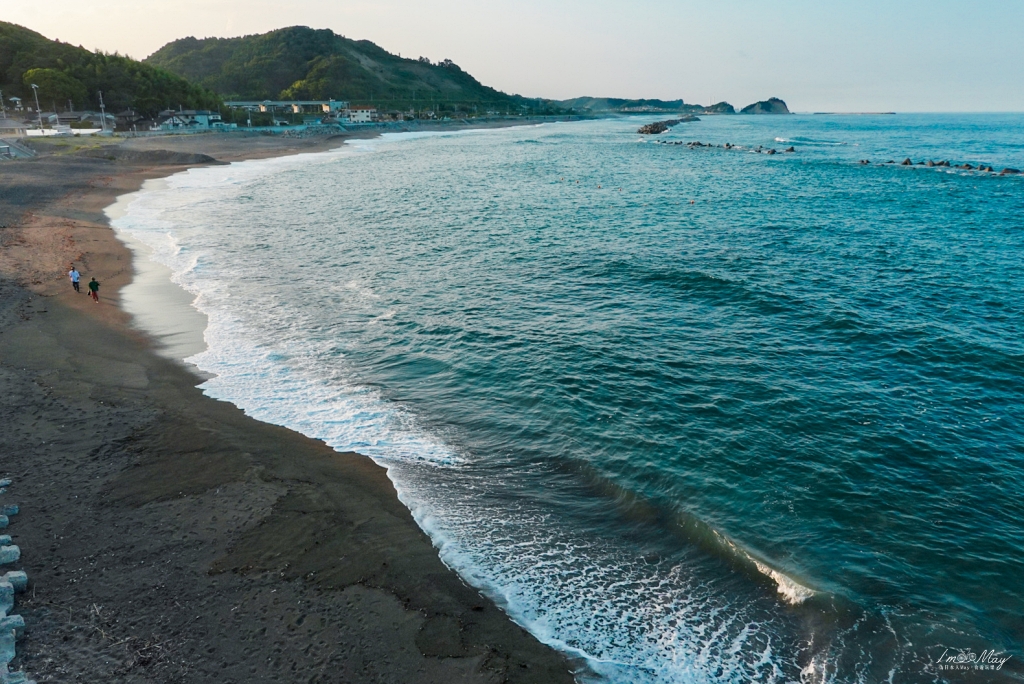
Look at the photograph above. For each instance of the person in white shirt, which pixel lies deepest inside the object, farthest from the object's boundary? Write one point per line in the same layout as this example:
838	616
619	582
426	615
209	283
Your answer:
75	277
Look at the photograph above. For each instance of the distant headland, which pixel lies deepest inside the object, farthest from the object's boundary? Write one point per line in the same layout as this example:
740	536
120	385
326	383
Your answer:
608	105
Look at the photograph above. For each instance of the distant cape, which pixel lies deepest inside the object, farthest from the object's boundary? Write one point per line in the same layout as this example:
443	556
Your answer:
597	105
772	105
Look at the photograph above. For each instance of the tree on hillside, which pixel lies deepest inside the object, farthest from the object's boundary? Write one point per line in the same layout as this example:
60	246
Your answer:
55	86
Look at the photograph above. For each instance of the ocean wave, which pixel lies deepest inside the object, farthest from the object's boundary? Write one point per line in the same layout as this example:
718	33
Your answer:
800	140
792	591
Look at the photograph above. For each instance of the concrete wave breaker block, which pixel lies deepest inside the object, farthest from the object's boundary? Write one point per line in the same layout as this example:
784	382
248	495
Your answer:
6	597
9	554
6	651
14	623
5	540
8	677
6	482
4	521
17	579
9	509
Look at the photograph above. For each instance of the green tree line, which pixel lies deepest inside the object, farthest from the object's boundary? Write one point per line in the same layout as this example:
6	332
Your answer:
68	74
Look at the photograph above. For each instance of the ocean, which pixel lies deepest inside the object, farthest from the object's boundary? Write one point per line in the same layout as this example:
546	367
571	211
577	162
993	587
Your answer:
690	414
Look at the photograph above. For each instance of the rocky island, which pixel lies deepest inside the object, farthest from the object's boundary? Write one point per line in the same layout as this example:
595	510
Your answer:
772	105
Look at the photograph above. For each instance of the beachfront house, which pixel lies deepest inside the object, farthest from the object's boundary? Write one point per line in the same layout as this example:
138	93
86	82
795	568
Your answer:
362	115
188	120
85	120
13	127
129	120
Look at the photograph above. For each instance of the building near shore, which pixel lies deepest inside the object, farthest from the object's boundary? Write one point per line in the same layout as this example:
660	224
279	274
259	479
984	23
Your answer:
189	120
362	114
13	127
290	106
85	119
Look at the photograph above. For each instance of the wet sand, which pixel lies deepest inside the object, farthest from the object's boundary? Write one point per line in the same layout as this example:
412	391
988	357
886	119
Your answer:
169	537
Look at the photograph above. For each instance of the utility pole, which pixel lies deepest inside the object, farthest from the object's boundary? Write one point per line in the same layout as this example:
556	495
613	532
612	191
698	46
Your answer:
103	112
39	114
3	107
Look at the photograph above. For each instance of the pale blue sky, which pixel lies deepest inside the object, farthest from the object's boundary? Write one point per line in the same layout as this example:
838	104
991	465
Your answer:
846	55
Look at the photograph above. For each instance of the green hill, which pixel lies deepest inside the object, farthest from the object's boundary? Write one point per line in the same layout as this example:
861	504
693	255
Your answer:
64	72
304	63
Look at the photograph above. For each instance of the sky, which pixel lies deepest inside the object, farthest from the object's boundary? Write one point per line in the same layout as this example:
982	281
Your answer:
839	55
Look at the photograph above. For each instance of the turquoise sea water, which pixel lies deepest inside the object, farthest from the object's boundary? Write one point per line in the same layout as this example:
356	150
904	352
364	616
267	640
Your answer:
692	415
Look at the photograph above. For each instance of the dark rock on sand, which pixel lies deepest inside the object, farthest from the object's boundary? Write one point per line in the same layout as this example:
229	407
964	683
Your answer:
117	153
772	105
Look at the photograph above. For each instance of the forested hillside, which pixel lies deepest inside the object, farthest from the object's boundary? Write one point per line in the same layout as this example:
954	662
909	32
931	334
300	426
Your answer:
65	73
304	63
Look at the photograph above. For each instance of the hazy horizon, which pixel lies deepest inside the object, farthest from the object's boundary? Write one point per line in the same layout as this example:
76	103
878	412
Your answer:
856	57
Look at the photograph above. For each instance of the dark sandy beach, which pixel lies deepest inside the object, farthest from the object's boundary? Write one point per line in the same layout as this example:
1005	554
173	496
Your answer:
167	536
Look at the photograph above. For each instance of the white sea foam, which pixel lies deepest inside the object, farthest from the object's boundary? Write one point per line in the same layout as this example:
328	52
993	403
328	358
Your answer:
811	141
791	590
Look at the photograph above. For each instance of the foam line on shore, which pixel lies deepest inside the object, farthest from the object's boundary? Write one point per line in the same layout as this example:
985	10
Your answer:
156	303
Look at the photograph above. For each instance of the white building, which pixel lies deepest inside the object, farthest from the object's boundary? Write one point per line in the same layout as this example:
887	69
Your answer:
362	115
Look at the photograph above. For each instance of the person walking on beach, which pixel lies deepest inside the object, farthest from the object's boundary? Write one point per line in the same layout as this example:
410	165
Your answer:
75	277
94	290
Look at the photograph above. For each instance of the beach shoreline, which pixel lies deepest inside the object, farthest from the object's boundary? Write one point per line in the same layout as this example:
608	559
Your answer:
166	534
